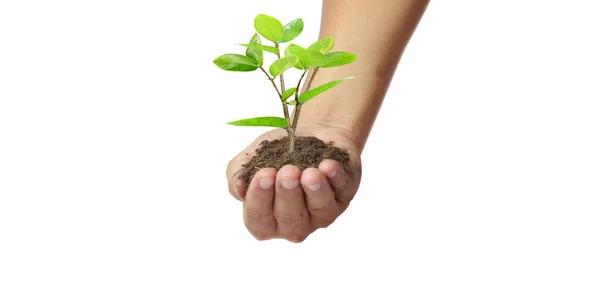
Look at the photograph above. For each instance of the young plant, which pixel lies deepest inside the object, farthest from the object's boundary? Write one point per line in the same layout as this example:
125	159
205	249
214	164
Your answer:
315	57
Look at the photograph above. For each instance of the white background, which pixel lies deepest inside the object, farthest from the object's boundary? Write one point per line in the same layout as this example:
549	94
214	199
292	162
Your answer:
482	170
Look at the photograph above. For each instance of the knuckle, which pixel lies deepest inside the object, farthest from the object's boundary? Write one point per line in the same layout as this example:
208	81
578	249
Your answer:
289	196
290	220
322	209
259	217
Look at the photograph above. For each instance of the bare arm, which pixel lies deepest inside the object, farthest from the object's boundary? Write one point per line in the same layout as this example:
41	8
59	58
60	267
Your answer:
291	203
377	32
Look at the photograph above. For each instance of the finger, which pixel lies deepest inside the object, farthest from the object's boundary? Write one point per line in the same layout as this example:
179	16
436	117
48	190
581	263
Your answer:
237	187
320	198
293	220
340	181
258	207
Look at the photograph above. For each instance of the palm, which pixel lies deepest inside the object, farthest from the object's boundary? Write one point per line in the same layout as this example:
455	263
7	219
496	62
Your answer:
289	203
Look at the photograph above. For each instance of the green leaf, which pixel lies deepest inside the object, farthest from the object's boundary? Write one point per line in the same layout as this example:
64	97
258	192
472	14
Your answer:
299	65
269	27
338	58
304	97
271	49
292	30
292	102
307	57
282	64
261	122
236	62
288	93
322	45
256	54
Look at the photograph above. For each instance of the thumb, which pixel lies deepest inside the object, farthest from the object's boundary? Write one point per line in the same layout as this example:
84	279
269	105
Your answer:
237	187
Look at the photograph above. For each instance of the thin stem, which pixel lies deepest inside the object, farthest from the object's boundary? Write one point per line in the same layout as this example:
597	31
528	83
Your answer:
298	105
286	112
292	130
272	82
312	78
294	124
281	75
298	86
299	108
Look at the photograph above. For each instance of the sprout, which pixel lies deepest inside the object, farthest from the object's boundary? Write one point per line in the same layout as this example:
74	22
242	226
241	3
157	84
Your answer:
317	56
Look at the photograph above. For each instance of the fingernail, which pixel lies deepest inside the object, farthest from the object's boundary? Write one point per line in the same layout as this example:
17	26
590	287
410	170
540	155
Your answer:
314	187
266	183
289	183
332	174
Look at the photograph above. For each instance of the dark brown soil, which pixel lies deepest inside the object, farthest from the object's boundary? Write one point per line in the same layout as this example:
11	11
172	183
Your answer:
308	152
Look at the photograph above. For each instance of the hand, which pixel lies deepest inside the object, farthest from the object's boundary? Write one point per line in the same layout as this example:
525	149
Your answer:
291	204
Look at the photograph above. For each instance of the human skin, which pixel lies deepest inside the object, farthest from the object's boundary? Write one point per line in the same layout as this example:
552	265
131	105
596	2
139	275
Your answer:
289	203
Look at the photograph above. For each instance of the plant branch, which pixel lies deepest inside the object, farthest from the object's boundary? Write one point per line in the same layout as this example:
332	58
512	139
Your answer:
312	78
298	86
272	82
286	112
299	108
281	75
298	105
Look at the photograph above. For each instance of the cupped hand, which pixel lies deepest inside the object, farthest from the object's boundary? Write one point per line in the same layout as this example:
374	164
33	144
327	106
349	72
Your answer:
289	203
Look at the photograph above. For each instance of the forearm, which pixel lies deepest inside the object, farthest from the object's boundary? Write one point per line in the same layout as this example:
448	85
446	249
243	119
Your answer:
377	32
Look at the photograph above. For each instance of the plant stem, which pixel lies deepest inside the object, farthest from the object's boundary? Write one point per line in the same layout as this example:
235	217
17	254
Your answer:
292	136
312	77
281	75
271	79
298	86
286	112
299	107
293	128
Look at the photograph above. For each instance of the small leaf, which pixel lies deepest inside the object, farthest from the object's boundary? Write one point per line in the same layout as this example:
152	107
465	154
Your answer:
236	62
307	57
261	122
322	45
253	53
292	102
338	58
271	49
299	65
304	97
288	93
292	30
269	27
282	64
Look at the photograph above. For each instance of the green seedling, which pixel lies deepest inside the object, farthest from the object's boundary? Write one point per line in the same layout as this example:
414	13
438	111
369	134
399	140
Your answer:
315	57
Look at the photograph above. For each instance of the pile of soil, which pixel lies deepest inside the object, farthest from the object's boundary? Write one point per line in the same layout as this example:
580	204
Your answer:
308	152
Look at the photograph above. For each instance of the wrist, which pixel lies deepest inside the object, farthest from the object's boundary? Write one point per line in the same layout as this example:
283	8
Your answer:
324	116
332	127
